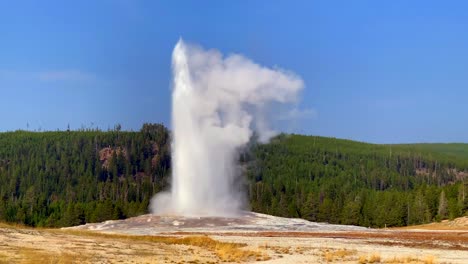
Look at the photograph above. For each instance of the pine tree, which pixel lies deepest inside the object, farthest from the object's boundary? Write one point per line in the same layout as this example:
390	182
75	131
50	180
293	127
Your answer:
442	212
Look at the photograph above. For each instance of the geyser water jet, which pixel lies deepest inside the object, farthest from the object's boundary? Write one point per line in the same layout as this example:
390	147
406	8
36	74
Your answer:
217	103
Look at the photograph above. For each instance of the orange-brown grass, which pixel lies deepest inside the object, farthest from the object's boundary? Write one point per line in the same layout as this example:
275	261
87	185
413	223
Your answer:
225	251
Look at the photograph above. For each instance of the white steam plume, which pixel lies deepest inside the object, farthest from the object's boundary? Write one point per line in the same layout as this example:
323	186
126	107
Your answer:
217	103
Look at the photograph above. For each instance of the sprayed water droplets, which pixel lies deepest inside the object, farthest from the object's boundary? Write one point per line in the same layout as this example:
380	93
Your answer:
217	103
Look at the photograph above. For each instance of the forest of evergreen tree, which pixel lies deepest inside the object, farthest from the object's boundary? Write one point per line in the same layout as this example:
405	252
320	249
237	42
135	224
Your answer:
347	182
66	178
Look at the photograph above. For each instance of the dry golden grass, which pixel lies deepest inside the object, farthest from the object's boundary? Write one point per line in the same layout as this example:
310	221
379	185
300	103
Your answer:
13	226
32	256
362	259
225	251
374	258
301	250
429	260
194	248
4	259
331	255
460	223
411	260
222	251
278	250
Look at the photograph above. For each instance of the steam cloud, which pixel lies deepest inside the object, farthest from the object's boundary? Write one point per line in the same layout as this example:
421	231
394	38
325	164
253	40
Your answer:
217	103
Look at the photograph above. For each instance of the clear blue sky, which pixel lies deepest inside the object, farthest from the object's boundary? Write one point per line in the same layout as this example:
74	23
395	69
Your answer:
375	71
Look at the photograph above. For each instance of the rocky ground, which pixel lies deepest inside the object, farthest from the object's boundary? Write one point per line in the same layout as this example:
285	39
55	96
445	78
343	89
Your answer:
246	239
245	222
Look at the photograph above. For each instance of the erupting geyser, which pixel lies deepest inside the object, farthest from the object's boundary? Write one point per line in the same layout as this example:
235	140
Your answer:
217	103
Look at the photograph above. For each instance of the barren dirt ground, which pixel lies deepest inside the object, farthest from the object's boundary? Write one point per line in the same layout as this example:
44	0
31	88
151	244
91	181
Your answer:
26	245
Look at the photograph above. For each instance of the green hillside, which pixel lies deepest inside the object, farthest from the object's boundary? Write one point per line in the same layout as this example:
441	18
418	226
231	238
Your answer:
451	150
73	177
342	181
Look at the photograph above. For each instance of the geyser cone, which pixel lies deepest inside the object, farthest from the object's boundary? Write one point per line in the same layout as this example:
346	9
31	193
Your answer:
214	102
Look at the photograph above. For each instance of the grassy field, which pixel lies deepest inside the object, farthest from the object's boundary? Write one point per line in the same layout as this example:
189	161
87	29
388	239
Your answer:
460	223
